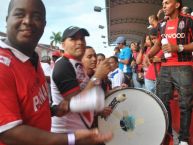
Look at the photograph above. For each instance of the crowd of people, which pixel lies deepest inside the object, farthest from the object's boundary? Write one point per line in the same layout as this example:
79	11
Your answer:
58	100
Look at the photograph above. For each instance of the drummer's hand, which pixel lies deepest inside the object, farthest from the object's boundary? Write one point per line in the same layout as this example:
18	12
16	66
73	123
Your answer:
62	109
91	137
103	69
106	112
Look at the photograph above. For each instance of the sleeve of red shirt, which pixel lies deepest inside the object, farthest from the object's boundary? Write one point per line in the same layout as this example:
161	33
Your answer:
9	106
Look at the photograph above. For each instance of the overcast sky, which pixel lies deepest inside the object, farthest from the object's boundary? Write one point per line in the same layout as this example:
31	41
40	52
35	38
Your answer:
64	13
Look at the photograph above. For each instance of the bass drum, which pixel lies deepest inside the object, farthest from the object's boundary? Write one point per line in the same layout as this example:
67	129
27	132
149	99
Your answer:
138	118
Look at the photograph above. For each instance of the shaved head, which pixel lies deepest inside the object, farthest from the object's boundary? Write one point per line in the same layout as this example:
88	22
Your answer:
11	4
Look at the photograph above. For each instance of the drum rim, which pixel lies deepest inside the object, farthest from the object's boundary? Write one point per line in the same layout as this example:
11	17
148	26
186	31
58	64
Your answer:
156	98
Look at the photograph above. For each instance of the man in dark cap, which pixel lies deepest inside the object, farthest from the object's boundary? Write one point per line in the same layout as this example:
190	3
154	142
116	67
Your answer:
69	82
25	117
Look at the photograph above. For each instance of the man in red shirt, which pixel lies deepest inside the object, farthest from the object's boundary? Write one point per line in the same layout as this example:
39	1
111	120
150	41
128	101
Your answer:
177	70
25	117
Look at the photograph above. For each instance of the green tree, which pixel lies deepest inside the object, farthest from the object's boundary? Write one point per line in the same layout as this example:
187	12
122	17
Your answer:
55	38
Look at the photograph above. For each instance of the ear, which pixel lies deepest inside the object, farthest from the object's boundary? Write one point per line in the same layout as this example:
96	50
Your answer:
177	5
63	45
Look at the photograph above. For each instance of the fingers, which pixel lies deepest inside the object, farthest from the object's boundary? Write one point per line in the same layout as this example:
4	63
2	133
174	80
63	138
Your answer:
107	111
103	69
63	108
100	138
169	48
91	137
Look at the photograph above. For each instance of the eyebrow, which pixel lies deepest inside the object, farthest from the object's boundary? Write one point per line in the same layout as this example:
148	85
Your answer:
18	9
23	10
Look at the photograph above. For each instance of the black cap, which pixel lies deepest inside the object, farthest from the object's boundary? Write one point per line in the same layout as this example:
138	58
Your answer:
72	30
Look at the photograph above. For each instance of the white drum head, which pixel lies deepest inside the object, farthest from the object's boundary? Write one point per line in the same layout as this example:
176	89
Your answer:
138	118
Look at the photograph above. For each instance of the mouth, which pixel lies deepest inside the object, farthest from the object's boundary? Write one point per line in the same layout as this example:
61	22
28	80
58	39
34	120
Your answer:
93	64
26	32
80	49
165	11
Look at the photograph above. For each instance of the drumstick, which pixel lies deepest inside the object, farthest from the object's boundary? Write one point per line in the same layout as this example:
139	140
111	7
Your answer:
115	102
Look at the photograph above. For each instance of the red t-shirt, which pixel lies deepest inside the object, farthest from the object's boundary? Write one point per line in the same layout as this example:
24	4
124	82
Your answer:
150	73
24	93
177	30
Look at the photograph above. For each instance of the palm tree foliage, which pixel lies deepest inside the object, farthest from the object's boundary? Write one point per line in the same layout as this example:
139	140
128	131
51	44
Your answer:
55	38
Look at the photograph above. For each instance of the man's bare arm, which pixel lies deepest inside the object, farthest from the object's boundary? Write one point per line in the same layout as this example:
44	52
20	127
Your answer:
155	49
26	135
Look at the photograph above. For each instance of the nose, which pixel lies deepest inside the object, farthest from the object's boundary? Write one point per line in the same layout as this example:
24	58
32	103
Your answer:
80	42
27	20
94	59
163	6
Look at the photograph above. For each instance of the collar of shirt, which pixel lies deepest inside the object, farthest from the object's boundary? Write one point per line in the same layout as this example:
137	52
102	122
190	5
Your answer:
22	57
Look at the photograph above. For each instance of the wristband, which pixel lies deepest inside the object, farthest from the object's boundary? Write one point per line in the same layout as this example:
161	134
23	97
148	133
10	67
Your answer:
180	48
71	139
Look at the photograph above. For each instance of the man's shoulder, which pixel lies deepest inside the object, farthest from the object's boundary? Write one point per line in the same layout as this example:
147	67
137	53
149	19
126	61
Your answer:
5	56
127	48
62	61
62	65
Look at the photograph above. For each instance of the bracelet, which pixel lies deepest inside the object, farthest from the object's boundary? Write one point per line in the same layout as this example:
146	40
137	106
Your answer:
71	139
180	48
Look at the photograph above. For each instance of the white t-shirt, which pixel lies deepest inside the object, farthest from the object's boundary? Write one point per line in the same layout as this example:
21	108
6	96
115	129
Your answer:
116	77
68	76
46	68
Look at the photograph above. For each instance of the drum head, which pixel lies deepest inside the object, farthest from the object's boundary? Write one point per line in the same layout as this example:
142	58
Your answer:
138	118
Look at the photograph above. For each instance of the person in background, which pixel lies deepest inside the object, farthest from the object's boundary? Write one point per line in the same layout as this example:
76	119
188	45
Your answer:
106	84
45	64
55	55
89	62
137	69
100	58
116	76
186	10
154	68
116	51
125	59
153	21
176	71
25	112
